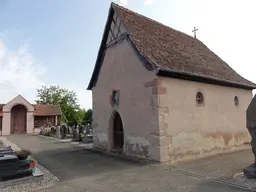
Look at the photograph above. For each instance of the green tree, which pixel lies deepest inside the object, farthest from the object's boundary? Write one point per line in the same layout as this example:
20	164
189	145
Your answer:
87	116
66	99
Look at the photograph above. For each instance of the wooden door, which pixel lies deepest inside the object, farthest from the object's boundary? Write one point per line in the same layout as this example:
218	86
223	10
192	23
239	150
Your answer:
118	132
18	119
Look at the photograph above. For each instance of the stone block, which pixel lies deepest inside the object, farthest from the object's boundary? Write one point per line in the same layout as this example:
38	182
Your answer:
163	126
161	118
159	90
154	101
164	153
165	140
163	110
153	83
154	140
158	133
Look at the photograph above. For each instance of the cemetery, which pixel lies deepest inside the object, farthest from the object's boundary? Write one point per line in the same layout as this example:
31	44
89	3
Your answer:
82	133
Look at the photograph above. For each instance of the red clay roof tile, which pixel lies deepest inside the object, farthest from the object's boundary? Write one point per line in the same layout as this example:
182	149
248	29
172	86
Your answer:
168	49
46	110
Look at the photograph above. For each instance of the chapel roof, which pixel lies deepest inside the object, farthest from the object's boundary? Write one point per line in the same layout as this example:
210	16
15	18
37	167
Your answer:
173	53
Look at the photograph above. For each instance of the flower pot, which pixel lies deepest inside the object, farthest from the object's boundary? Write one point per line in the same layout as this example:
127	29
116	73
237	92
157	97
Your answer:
22	157
32	164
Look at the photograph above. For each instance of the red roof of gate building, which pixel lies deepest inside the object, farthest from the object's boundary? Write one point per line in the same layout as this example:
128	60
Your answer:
41	110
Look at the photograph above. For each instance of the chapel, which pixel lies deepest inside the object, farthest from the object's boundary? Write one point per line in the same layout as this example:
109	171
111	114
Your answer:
161	94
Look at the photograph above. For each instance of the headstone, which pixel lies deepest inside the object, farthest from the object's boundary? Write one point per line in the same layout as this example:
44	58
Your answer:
88	139
77	134
53	130
11	168
74	131
63	130
70	130
83	129
250	171
42	130
58	134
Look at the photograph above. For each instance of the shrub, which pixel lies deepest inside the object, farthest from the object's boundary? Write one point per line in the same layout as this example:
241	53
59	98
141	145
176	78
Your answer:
23	154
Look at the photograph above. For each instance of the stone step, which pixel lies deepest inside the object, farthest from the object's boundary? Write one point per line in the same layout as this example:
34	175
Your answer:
2	153
5	148
6	151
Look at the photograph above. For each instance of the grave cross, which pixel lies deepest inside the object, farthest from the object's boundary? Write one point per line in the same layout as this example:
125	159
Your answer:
195	29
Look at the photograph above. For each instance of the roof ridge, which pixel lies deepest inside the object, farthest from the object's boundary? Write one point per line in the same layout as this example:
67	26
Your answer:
153	21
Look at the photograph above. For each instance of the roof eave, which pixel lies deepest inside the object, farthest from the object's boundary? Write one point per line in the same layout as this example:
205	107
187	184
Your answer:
101	49
44	115
185	76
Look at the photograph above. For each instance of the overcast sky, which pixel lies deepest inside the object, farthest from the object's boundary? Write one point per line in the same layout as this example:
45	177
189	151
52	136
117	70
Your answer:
56	42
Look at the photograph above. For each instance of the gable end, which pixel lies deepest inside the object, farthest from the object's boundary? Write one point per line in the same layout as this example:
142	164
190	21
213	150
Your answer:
109	42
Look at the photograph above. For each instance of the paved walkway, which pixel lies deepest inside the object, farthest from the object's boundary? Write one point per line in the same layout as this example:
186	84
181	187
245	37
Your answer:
81	170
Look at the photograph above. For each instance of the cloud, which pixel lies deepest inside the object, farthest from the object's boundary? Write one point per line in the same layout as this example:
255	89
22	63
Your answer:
148	2
125	2
20	73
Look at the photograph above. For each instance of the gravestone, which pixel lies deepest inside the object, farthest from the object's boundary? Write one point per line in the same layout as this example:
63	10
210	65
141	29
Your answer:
74	131
53	130
250	171
63	130
83	129
70	130
11	168
77	134
88	138
58	132
42	130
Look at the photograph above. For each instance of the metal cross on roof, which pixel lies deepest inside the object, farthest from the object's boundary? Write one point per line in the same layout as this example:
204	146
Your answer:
195	29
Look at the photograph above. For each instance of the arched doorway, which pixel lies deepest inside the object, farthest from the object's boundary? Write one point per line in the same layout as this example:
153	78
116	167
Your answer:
118	132
18	119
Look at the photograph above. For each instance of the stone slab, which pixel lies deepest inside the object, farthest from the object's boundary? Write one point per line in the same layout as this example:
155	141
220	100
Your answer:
6	160
5	148
37	172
